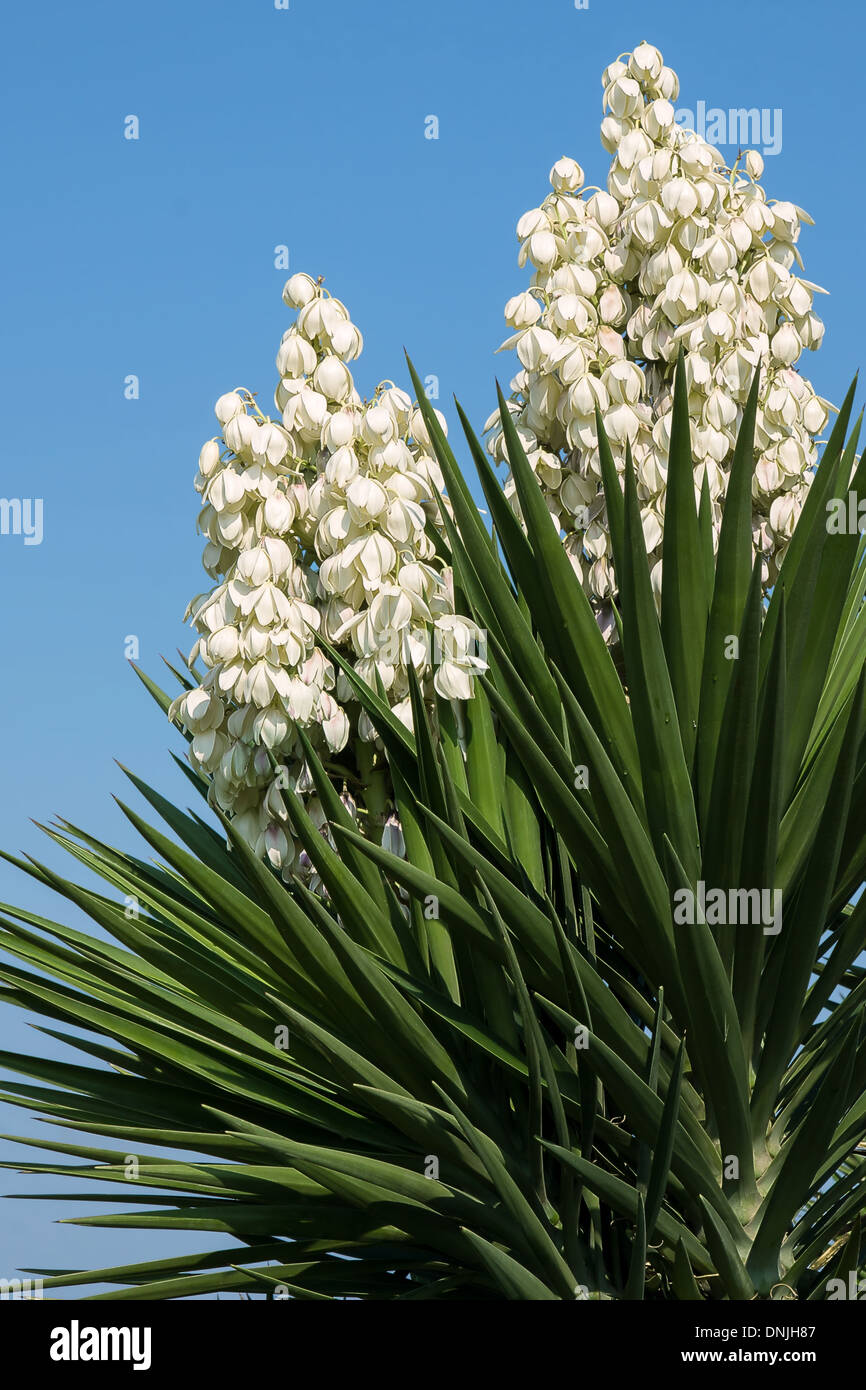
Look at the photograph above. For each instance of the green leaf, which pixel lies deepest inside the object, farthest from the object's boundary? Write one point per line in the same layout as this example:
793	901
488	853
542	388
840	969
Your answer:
685	599
665	775
733	569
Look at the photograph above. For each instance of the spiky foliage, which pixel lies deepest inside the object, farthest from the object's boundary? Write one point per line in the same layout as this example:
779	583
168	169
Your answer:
501	1067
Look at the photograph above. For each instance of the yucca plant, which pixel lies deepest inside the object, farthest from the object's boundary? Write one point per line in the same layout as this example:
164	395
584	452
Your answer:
597	1032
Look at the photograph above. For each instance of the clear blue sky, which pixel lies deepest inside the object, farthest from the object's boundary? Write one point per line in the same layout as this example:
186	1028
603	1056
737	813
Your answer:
155	257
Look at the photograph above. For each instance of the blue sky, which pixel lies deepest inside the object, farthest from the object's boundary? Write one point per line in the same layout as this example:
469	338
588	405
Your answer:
155	258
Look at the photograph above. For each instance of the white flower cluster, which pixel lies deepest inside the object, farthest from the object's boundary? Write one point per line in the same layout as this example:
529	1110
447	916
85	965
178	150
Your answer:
315	522
320	521
677	252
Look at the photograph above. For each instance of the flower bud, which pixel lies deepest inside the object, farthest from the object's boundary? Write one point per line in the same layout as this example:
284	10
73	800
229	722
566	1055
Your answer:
209	457
623	97
785	344
228	406
613	129
296	356
754	164
299	290
333	378
392	837
377	425
566	176
338	430
646	62
658	118
603	209
522	310
667	84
